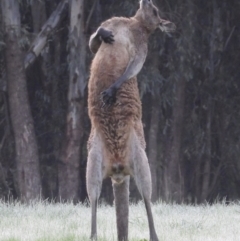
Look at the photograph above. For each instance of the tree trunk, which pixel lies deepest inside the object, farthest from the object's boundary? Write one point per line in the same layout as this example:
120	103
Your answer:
68	176
38	15
47	29
173	175
153	146
208	157
25	141
46	81
215	16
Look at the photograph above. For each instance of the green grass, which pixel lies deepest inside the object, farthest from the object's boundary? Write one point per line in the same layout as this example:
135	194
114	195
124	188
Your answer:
67	222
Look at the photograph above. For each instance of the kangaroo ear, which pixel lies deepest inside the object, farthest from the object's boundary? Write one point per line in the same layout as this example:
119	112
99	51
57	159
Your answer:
167	26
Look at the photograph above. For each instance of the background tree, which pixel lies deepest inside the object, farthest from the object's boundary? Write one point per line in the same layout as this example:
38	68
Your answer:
69	172
189	87
27	162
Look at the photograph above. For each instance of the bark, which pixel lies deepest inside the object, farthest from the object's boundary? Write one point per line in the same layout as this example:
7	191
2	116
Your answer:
5	140
3	82
96	2
29	183
153	146
41	40
38	15
175	165
56	107
47	80
68	176
216	23
173	174
207	161
197	186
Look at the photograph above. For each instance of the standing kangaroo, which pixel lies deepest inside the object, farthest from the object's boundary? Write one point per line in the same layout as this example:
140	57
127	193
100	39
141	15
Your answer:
116	146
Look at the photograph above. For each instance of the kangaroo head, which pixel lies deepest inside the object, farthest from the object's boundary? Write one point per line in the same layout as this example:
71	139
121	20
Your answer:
148	14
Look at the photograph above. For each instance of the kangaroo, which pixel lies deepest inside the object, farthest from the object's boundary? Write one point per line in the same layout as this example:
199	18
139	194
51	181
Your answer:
116	146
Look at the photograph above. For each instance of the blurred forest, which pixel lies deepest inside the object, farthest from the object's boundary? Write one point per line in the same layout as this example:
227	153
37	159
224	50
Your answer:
189	86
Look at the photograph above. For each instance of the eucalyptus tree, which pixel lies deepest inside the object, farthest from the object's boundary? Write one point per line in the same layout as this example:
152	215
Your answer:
27	161
69	172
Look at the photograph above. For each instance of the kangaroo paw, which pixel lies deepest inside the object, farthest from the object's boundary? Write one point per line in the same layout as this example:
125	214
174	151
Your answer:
106	35
109	96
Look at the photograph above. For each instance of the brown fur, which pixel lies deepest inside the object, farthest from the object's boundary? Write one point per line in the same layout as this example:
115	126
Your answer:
116	144
116	122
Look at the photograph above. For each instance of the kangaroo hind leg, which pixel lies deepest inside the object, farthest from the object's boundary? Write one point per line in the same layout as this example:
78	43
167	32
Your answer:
121	200
94	184
142	178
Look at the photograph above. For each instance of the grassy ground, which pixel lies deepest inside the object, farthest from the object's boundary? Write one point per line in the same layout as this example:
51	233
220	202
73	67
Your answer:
67	222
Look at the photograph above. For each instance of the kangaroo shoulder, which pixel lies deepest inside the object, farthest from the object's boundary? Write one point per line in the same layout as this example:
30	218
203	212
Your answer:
115	22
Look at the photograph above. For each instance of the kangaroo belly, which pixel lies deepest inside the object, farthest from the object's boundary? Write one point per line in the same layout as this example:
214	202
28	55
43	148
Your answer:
115	125
116	121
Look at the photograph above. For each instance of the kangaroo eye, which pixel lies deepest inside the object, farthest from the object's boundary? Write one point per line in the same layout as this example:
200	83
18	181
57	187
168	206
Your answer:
155	12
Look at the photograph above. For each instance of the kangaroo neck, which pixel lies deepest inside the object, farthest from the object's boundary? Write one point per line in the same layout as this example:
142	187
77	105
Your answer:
143	24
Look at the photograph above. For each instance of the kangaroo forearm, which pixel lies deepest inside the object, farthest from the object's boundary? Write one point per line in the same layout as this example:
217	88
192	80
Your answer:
118	83
100	35
94	44
132	70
